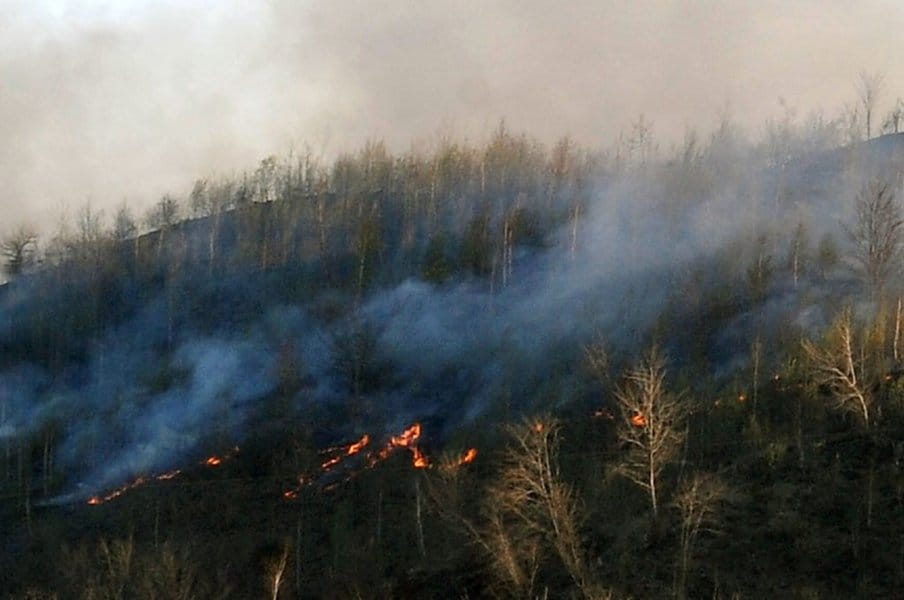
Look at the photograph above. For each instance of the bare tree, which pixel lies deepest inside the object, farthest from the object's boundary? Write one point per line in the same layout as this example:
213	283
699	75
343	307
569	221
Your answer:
164	214
117	572
869	86
760	273
876	234
798	252
18	248
697	502
124	226
895	118
124	569
171	573
531	489
651	425
836	366
276	571
199	199
211	201
529	514
162	217
640	145
87	245
598	360
851	124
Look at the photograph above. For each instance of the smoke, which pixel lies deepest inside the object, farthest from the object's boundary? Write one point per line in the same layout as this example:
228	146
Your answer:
108	101
637	248
136	408
155	394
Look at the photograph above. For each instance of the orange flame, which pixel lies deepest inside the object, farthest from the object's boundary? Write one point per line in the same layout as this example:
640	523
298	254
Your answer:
639	420
327	465
211	461
351	450
95	500
469	456
215	461
420	460
359	445
408	437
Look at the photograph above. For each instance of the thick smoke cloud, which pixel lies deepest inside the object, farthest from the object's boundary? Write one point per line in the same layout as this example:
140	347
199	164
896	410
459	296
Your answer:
105	101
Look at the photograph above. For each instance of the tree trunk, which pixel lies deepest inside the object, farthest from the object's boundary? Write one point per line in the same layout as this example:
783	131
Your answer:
298	557
7	450
681	586
870	487
212	243
46	463
800	432
380	520
574	229
757	348
897	339
420	523
652	484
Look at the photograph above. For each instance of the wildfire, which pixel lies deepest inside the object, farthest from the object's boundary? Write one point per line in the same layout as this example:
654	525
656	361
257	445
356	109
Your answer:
344	452
456	462
407	439
638	420
211	461
169	475
329	464
420	460
216	461
96	500
359	445
469	457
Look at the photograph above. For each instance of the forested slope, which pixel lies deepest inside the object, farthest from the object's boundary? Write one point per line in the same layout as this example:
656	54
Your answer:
499	369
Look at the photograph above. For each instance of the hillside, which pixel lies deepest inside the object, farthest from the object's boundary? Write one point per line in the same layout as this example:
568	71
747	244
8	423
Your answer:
499	370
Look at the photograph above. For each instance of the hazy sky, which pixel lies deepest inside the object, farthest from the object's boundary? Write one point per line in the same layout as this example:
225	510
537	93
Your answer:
106	100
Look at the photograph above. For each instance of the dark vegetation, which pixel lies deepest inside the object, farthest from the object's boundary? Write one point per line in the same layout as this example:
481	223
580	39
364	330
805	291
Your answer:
681	370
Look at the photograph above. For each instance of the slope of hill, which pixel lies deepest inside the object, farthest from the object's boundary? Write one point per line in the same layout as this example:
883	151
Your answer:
300	326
